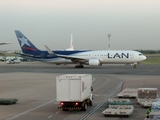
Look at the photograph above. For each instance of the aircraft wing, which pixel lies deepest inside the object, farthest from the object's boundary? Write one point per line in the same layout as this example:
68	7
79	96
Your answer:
3	43
25	55
49	50
71	57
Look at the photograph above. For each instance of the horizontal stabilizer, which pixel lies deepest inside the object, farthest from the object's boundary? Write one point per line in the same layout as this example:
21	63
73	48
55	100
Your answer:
25	55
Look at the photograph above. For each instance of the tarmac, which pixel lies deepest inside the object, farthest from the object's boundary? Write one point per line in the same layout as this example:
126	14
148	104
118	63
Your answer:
33	84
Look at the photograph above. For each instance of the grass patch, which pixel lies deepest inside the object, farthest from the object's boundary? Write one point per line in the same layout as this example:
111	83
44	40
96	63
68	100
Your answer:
152	59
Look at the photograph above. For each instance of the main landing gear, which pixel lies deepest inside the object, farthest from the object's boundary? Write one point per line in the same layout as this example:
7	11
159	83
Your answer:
79	66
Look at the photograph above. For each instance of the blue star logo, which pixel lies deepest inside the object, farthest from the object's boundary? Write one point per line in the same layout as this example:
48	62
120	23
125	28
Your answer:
23	41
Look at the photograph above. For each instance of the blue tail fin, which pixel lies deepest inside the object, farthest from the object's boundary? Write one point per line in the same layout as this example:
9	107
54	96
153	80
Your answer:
24	43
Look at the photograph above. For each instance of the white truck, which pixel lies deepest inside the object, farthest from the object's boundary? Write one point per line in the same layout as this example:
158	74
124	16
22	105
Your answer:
74	91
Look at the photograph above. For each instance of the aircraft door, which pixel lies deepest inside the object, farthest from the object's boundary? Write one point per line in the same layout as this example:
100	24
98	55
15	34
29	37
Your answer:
131	55
42	55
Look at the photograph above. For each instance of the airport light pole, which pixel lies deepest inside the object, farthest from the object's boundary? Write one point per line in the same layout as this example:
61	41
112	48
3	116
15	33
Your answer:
109	35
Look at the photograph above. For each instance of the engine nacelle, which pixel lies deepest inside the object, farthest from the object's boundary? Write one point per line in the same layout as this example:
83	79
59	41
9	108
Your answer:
94	62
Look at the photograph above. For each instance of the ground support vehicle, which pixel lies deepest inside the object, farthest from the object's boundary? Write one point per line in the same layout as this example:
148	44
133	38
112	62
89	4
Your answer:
118	107
118	110
8	101
155	110
118	100
145	102
145	96
74	91
155	115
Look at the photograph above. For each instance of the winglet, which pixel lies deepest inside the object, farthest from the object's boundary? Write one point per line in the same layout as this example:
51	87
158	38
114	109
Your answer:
49	50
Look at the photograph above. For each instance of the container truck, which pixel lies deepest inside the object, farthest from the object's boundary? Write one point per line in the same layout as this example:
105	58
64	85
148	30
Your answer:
74	91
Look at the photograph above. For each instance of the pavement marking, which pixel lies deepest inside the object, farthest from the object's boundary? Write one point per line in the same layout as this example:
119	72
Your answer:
50	116
30	110
57	112
87	115
101	85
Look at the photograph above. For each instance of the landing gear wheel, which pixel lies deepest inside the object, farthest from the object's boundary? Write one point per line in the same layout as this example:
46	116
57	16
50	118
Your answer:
79	66
82	66
134	66
90	103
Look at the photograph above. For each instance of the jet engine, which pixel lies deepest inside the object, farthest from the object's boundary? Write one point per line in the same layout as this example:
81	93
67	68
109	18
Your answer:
94	62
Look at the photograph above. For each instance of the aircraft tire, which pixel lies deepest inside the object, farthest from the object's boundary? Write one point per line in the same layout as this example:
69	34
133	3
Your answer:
134	66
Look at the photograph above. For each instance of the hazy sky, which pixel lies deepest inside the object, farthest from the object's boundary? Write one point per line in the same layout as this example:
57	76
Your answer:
133	24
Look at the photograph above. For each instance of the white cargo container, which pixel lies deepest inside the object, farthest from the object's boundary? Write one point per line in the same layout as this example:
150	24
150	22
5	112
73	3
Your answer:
146	96
74	91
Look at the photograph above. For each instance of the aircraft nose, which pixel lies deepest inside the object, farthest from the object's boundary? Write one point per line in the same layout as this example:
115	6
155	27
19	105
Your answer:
144	57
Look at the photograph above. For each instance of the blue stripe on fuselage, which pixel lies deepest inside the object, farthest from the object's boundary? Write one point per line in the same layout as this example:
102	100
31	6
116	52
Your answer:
46	55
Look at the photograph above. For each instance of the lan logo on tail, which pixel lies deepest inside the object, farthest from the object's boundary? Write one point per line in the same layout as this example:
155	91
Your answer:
23	41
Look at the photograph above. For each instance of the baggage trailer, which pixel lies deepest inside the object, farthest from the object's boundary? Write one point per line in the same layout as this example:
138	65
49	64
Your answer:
118	100
118	110
145	102
146	96
74	91
155	111
128	93
155	115
118	107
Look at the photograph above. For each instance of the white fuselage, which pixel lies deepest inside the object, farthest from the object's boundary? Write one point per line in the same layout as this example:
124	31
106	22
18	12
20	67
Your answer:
97	57
110	56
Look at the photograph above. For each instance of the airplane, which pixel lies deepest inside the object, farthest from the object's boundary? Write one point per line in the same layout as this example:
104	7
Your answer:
78	57
71	48
3	43
71	43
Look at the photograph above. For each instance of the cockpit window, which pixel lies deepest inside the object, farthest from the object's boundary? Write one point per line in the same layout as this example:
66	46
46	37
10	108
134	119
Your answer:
140	54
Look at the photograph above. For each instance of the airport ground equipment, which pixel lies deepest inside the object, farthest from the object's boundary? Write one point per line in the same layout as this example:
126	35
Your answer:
74	91
118	107
154	115
146	96
8	101
155	110
128	93
118	101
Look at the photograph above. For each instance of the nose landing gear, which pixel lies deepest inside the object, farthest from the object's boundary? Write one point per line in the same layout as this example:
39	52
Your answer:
134	65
